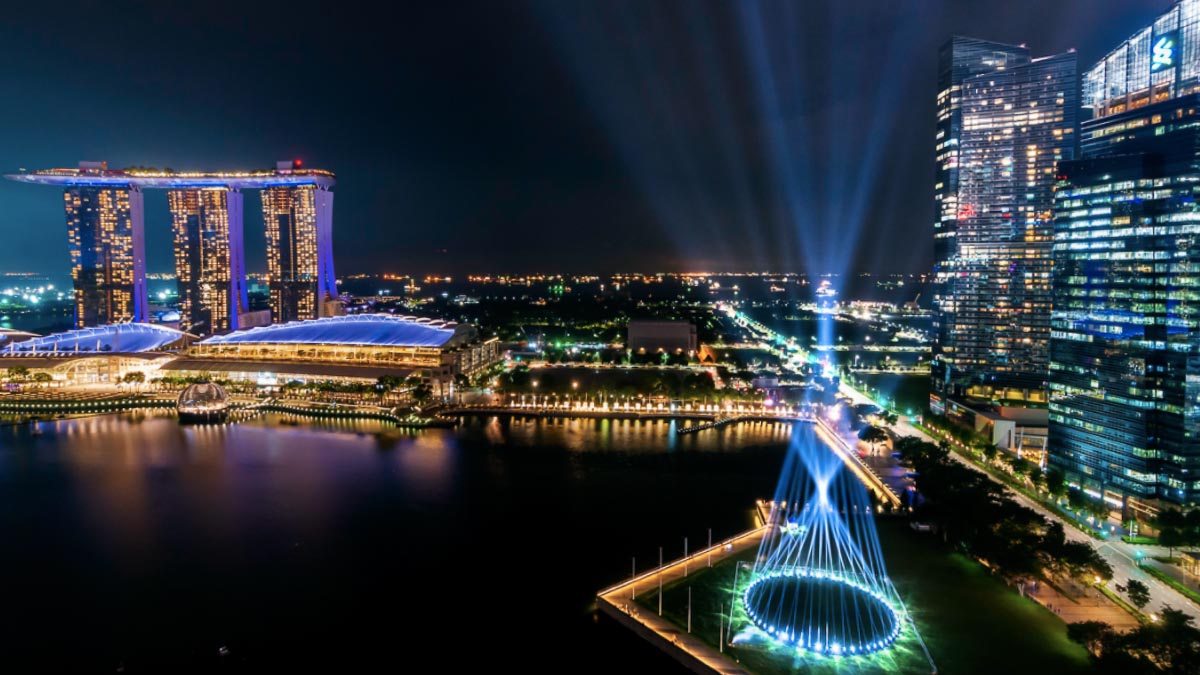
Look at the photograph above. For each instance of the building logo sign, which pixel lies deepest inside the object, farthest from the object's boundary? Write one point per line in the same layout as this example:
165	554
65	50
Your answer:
1162	51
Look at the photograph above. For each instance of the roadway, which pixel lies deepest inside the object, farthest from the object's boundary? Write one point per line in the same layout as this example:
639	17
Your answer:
1120	555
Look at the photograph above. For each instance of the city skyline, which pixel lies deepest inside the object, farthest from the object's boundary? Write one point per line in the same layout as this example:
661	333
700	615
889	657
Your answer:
471	149
798	336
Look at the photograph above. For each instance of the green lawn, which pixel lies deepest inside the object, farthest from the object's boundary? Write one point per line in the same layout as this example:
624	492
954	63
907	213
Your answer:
971	622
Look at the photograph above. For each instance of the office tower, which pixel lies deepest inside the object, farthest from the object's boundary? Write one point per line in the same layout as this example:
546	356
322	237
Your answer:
298	221
1017	124
1003	122
958	59
1125	346
108	259
209	259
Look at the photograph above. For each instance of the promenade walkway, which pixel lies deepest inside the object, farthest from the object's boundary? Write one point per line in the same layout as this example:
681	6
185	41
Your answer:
620	603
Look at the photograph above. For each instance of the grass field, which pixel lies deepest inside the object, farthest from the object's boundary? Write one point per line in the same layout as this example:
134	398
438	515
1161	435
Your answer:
970	621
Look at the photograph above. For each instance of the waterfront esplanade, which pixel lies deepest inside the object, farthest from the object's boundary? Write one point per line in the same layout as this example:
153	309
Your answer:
104	209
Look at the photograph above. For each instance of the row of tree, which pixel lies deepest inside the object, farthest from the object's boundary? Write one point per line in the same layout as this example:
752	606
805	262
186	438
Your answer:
615	357
975	515
680	384
1169	645
1050	484
1177	529
21	374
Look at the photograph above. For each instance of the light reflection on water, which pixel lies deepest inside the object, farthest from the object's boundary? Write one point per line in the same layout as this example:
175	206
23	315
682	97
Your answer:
155	541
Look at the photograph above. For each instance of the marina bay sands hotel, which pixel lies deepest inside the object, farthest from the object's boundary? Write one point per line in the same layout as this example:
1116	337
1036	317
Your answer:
108	254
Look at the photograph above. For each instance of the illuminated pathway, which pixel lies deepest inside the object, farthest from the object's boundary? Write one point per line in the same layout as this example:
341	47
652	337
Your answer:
1121	556
618	602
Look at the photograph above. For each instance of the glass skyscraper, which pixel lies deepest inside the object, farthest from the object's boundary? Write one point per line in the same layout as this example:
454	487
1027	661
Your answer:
958	59
1125	341
1001	129
108	257
298	221
209	259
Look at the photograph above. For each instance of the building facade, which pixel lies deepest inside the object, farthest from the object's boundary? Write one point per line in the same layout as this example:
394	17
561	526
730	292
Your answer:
650	336
1158	63
108	254
298	221
1014	124
360	347
96	355
209	258
1125	368
959	58
1125	341
1018	123
104	210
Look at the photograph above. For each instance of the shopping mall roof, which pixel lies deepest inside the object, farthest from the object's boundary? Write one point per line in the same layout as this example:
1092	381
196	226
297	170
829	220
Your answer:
12	335
377	330
117	338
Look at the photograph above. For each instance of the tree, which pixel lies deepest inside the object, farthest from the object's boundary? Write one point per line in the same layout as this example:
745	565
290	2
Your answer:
1081	560
1077	500
1056	481
1139	593
134	377
1169	645
18	373
43	378
917	453
873	436
1053	539
461	382
389	382
1172	538
1037	477
1091	634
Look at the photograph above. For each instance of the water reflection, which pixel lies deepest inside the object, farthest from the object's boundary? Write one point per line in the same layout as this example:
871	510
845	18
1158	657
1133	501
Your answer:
620	435
144	539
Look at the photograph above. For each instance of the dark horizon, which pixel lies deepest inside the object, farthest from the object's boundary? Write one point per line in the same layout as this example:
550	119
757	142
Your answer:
529	137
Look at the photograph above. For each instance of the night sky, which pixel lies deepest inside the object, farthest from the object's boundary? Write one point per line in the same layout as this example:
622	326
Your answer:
497	136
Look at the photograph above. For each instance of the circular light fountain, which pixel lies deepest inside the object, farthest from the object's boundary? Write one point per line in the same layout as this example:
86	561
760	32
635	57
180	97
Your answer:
821	613
820	584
